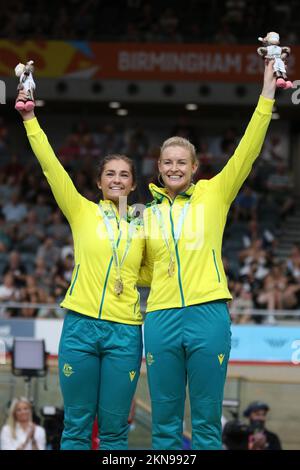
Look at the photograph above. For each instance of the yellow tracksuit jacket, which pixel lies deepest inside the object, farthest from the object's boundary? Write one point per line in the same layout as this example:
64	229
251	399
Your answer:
199	274
92	288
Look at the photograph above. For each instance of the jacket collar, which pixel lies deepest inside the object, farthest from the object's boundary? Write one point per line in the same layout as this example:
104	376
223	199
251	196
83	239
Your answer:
111	211
160	193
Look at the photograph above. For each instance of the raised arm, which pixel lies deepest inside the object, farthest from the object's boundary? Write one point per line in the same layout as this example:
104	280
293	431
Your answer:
233	175
64	191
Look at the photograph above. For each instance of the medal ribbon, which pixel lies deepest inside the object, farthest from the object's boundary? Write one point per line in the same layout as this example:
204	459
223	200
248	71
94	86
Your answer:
114	245
177	232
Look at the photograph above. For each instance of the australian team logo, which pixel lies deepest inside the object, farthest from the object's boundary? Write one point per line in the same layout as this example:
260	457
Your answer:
150	359
68	370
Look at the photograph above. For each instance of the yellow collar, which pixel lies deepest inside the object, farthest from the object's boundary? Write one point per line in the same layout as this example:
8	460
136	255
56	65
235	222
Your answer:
159	193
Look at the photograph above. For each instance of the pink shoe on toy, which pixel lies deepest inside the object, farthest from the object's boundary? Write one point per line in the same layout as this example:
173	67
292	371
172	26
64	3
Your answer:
20	105
29	105
289	84
280	83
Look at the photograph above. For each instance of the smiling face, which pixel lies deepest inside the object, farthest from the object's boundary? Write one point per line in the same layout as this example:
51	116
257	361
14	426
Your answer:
116	180
22	412
176	167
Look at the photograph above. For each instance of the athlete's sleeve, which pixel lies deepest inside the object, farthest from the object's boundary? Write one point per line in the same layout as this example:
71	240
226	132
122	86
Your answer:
66	195
233	175
146	270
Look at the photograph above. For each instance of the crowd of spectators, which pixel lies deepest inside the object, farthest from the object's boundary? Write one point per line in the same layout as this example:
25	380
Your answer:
36	254
213	21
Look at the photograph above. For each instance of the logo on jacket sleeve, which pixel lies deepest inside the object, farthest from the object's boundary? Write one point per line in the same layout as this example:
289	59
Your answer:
221	358
132	374
68	370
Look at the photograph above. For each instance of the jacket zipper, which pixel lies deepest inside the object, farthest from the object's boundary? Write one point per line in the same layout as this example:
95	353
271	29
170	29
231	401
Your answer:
216	266
177	257
106	278
75	279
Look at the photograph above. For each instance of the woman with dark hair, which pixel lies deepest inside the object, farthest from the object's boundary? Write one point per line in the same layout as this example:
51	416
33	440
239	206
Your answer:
101	344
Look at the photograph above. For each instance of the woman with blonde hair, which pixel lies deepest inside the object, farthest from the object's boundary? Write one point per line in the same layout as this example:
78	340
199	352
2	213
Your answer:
187	324
19	432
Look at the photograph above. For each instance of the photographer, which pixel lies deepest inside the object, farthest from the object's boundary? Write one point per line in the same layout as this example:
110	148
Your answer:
260	438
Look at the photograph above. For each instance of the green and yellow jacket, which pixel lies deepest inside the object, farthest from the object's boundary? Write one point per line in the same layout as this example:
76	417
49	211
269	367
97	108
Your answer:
199	274
92	288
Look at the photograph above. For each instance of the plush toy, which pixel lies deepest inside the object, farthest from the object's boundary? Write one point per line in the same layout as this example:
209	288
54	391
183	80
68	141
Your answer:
272	50
27	84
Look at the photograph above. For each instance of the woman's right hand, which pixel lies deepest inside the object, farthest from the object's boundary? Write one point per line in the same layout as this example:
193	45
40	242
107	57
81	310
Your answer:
30	434
26	115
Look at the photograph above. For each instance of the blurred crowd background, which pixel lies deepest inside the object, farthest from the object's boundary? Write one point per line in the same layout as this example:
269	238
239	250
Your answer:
213	21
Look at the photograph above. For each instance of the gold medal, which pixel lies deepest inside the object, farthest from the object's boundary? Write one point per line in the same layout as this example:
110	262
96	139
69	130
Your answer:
118	286
171	268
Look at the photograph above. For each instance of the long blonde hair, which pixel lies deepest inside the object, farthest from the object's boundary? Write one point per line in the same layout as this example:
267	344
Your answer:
11	420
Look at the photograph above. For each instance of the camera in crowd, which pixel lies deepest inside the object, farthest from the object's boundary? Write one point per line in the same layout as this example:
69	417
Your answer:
238	435
252	436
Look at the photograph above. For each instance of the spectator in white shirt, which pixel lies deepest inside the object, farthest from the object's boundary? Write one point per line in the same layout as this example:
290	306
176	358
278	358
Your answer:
8	292
20	433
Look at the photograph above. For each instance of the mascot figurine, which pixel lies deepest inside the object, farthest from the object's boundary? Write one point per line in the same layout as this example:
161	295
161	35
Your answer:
272	51
24	72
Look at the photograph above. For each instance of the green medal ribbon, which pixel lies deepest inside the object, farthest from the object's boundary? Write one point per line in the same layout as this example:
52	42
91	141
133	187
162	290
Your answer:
177	233
119	286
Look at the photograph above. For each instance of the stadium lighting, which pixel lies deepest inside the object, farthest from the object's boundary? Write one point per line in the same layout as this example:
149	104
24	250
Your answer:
133	89
241	91
191	107
168	89
61	87
275	116
114	104
39	103
97	87
275	113
204	90
122	112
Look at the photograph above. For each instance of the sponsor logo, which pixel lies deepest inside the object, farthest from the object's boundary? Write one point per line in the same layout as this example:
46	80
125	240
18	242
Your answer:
132	374
296	353
276	342
221	358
